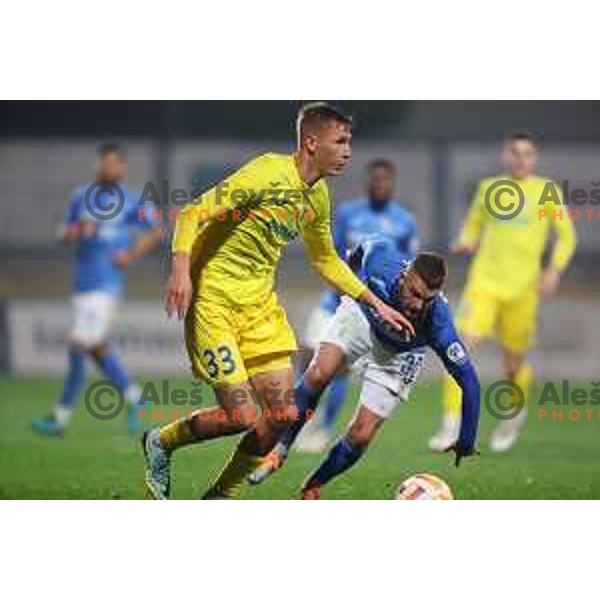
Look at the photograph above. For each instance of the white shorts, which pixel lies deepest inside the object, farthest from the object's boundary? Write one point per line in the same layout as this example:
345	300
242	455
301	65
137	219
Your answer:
318	320
93	314
387	376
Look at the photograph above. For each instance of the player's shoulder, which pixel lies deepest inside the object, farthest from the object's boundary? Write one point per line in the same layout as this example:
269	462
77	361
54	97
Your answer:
401	211
486	182
440	313
352	206
77	193
542	181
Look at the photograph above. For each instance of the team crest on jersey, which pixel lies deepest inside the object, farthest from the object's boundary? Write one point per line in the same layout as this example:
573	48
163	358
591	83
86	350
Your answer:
456	353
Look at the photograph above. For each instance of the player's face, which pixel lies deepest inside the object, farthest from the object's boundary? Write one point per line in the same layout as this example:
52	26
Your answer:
112	167
415	295
520	157
332	148
381	185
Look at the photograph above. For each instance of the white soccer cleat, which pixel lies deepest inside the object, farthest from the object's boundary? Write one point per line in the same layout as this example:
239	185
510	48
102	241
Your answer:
315	443
507	433
446	436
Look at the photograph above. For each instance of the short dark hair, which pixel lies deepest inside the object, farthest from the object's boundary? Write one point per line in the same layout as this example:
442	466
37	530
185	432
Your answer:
523	136
316	114
111	148
381	163
431	268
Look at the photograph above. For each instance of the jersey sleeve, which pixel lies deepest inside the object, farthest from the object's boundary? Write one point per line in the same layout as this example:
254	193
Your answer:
446	343
318	238
566	239
413	237
474	221
339	232
235	191
142	219
73	211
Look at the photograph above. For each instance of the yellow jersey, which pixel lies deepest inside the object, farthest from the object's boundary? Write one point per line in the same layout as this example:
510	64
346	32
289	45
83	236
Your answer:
235	232
509	256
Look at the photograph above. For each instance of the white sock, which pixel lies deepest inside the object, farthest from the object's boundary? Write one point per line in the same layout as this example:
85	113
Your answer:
133	393
62	414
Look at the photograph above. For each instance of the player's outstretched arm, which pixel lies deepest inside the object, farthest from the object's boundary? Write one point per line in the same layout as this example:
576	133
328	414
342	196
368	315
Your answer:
447	345
179	286
467	379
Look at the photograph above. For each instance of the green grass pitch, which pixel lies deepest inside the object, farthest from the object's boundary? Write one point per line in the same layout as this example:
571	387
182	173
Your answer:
96	459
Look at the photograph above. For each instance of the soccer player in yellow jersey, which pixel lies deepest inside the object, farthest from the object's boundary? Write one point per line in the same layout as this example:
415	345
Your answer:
506	230
226	248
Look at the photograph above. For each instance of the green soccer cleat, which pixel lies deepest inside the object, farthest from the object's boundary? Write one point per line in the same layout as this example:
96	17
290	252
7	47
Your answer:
48	426
158	466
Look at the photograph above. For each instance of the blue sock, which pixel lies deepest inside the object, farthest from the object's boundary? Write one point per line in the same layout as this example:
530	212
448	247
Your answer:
340	458
307	399
335	400
74	380
111	366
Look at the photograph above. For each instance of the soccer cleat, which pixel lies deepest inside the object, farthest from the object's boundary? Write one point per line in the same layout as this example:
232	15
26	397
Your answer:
315	443
158	466
133	421
271	463
506	434
312	492
48	426
446	436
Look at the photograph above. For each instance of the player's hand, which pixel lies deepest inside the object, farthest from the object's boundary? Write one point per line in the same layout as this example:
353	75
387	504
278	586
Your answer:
461	452
462	248
123	259
179	287
396	319
549	282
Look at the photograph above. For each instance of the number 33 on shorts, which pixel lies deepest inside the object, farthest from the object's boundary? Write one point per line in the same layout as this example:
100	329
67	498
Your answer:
218	361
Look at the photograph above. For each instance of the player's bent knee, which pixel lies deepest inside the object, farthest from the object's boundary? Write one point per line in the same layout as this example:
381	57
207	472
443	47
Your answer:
360	434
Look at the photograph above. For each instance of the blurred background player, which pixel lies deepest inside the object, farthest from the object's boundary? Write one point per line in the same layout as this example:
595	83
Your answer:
389	364
103	252
376	213
506	277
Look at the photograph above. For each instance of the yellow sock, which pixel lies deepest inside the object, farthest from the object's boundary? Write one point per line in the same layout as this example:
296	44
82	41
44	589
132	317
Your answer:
177	434
451	399
524	379
232	477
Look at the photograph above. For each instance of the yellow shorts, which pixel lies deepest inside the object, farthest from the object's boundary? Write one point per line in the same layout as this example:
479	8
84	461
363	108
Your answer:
228	345
513	322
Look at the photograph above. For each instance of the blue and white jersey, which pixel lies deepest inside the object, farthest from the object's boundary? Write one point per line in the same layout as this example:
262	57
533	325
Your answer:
359	219
94	267
382	269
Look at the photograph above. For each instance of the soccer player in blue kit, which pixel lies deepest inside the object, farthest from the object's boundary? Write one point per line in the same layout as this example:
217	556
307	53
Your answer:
389	363
376	213
99	224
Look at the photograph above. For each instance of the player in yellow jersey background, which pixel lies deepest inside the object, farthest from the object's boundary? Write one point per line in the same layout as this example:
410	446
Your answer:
506	230
226	248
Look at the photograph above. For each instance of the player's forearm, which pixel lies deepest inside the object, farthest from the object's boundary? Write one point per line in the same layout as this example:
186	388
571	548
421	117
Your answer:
180	265
338	274
564	249
186	230
466	378
145	243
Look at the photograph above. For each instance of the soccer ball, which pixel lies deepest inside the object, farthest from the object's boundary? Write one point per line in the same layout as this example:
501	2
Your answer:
423	487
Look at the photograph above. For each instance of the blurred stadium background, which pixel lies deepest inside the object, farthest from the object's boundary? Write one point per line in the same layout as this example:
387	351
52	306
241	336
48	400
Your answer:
440	150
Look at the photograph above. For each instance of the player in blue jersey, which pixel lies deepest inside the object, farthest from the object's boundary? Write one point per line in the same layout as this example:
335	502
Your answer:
101	222
377	213
389	364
